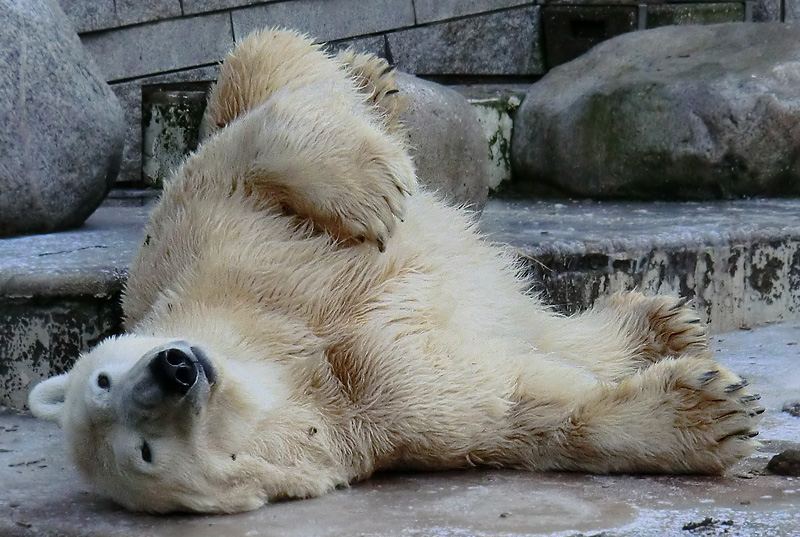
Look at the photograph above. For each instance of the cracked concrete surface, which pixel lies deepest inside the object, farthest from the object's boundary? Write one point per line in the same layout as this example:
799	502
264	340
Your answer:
40	494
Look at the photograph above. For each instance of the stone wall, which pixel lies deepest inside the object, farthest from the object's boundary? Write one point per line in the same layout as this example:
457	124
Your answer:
143	43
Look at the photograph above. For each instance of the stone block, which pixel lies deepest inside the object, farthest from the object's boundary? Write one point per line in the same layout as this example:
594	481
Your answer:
791	10
501	43
371	45
201	6
437	10
93	15
673	14
494	107
767	11
570	31
130	95
137	51
136	11
335	21
90	15
170	126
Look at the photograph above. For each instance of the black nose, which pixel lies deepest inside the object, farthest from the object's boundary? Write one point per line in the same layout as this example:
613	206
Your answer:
175	370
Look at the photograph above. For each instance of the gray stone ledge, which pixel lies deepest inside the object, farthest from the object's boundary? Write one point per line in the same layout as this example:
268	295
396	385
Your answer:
90	261
60	295
736	260
586	227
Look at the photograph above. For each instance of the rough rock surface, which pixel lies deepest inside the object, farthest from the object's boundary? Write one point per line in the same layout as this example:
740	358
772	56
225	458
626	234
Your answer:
792	408
698	112
785	463
61	140
448	145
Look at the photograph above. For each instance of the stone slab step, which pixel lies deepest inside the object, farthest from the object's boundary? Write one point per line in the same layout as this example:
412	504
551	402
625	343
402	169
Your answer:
739	261
60	294
40	494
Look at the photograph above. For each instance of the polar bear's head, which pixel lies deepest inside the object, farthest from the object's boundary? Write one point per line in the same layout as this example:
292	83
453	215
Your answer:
154	424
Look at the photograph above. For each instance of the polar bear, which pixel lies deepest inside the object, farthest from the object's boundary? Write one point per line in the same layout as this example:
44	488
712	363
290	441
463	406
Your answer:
300	315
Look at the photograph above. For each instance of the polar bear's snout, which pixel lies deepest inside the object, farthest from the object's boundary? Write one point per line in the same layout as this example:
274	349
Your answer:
169	384
176	369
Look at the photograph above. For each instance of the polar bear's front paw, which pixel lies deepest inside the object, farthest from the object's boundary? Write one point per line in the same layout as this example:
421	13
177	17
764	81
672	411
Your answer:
715	414
374	217
368	206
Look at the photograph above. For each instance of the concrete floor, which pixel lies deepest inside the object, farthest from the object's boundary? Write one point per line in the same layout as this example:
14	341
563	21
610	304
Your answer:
41	495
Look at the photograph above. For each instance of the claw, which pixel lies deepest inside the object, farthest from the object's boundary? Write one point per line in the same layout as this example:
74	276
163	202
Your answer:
734	387
681	303
750	398
705	378
741	433
381	245
397	209
757	411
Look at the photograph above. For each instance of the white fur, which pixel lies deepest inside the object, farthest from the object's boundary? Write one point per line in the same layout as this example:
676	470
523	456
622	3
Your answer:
336	359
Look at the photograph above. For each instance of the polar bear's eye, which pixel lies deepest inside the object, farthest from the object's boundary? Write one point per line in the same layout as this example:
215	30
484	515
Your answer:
103	381
147	455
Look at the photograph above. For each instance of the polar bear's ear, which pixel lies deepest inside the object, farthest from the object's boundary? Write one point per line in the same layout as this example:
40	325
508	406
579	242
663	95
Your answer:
47	398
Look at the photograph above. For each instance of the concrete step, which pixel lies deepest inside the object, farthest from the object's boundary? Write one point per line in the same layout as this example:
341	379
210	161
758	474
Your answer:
41	496
739	261
60	294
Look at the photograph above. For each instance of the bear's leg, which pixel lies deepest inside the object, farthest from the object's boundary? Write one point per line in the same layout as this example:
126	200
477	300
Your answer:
627	333
305	139
680	415
266	61
261	64
316	153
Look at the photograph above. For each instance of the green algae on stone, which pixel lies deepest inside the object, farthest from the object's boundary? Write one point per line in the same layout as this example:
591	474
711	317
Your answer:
170	126
707	13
